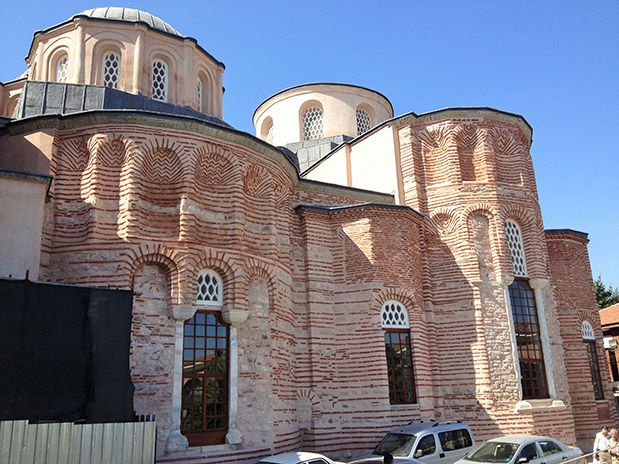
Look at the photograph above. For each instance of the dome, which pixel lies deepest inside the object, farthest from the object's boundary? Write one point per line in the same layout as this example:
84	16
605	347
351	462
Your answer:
128	15
308	112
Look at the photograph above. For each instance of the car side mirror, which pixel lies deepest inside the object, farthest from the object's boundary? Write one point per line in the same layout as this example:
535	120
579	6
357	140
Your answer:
418	453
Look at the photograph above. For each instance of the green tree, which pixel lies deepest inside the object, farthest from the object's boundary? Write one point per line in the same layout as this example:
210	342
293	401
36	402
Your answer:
606	296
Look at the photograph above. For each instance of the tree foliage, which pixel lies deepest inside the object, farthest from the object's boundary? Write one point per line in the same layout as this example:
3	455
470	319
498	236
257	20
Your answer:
606	296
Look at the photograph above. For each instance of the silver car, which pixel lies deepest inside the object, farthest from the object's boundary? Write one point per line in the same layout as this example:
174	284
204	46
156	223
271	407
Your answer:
297	457
423	442
523	449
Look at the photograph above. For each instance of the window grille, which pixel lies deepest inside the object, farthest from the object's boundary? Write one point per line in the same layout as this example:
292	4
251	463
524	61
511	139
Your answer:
394	316
587	331
516	248
209	288
160	80
312	123
111	70
200	95
363	122
270	134
62	69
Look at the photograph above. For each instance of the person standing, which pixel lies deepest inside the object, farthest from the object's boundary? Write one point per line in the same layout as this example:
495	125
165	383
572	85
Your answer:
387	458
600	444
613	446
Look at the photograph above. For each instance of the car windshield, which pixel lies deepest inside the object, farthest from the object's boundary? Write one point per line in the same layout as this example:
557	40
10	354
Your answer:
493	451
398	444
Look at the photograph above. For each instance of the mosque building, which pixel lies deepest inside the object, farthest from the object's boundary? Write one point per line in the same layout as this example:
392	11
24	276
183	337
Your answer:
343	271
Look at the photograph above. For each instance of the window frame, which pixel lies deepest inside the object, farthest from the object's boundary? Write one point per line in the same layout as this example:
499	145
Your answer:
104	55
304	111
461	438
526	313
594	367
613	365
515	244
57	60
219	288
203	94
552	446
206	436
364	113
535	446
166	90
395	324
267	131
398	370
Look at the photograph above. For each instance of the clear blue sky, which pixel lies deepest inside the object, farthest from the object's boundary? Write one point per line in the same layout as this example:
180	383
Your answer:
554	62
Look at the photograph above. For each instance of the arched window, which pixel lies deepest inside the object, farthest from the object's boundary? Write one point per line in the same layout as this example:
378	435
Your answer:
270	134
312	123
202	92
588	336
160	79
268	131
526	320
62	68
363	121
11	105
209	288
528	340
206	358
516	247
110	69
587	331
394	321
206	363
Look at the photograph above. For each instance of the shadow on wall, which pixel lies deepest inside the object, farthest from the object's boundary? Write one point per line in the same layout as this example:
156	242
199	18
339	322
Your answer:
379	258
29	152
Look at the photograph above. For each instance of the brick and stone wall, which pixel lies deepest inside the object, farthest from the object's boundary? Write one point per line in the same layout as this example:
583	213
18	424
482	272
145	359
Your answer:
147	205
572	286
467	175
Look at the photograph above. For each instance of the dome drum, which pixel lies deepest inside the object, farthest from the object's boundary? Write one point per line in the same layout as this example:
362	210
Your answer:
314	111
132	51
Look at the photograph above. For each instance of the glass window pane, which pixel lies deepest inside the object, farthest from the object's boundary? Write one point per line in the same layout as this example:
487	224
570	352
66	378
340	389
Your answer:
399	366
204	410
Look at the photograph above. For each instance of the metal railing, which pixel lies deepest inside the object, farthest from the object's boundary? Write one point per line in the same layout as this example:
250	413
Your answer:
584	457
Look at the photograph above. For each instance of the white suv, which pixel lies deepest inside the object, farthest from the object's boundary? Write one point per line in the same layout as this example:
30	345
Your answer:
428	442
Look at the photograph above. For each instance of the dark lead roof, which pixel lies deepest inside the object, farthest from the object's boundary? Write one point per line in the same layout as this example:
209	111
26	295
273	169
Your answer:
129	15
39	98
47	98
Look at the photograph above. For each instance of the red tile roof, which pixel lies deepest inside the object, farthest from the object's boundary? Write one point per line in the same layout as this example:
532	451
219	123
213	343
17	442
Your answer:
610	315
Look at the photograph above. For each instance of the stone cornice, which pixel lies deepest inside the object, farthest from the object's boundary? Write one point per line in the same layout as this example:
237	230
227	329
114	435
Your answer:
566	234
418	217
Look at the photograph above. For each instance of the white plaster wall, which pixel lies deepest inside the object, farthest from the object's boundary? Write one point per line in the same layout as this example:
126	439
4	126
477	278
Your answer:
21	223
339	103
331	169
372	161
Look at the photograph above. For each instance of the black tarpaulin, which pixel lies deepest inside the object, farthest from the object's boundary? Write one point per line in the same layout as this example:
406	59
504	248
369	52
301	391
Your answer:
64	353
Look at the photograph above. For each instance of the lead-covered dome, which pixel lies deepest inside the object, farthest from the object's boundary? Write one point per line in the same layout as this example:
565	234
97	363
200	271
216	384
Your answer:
128	15
131	51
